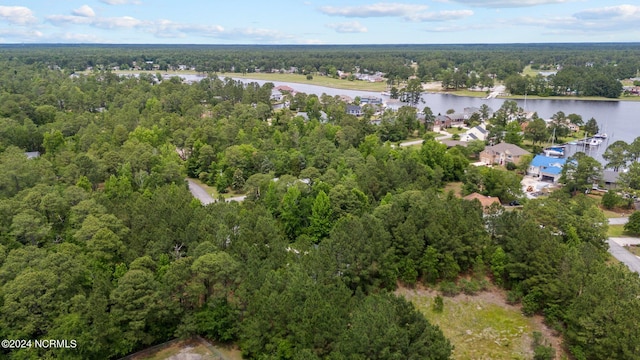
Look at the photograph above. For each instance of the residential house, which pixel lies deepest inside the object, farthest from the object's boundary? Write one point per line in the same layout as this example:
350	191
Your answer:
502	154
276	95
354	110
546	168
441	122
485	201
346	98
32	154
610	179
457	119
370	100
323	116
475	133
285	88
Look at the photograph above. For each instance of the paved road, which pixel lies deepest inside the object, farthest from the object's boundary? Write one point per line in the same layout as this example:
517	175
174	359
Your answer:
618	221
199	193
620	253
444	135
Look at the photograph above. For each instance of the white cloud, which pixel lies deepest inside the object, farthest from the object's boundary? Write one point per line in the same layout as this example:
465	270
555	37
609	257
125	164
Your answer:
123	22
63	20
619	12
80	38
21	32
18	15
440	15
459	28
348	27
509	3
374	10
84	10
165	28
590	21
120	2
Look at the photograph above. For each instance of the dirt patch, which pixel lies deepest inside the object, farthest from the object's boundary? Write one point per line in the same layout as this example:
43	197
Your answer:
484	326
432	86
190	349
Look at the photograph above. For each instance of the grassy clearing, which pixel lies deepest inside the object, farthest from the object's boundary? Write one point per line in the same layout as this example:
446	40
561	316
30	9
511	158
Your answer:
191	349
456	187
482	326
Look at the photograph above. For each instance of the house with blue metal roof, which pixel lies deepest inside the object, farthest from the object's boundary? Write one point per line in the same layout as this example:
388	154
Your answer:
546	168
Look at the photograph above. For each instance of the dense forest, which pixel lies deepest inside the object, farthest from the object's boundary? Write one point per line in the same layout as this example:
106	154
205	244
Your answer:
102	242
593	69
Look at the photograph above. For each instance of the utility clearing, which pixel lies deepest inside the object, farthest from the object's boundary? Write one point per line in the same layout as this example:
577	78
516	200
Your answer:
484	326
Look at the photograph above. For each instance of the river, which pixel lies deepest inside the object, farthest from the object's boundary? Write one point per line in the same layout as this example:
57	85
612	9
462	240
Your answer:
618	119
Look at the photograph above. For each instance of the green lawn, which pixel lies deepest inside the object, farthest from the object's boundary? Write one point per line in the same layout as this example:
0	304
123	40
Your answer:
317	80
617	231
455	130
468	93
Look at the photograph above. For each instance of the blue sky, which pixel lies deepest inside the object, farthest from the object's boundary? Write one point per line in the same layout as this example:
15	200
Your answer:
318	22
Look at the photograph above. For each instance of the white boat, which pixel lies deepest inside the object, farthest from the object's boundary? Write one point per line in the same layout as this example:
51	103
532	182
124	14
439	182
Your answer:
600	136
594	141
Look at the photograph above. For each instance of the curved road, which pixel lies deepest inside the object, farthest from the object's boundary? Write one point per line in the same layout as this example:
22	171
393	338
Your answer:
622	254
616	247
199	193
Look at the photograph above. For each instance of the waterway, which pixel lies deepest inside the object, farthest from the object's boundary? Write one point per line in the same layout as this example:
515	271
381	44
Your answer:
620	120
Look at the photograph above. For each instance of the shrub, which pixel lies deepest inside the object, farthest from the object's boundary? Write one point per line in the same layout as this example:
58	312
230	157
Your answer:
511	166
514	296
438	304
540	350
470	287
449	288
610	200
633	226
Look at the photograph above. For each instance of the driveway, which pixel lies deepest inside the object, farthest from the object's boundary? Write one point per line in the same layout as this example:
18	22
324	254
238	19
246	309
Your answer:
199	193
618	221
624	256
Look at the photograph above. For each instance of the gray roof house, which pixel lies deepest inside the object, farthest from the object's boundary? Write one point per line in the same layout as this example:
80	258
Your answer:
354	110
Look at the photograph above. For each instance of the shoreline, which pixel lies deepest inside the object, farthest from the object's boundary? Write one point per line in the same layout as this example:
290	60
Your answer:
358	85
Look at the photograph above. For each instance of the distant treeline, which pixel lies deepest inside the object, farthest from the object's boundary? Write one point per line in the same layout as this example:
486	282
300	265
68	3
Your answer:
622	60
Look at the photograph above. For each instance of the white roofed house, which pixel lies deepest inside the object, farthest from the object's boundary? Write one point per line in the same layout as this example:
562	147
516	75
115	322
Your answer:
475	133
276	95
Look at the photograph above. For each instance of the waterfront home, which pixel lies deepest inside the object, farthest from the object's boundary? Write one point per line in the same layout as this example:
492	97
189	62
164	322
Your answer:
475	133
502	154
546	168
